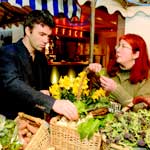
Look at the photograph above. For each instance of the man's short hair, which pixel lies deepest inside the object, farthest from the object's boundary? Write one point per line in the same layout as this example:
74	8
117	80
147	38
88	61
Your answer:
39	17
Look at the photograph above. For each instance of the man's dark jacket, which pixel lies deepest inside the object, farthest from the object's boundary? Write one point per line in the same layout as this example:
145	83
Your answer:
21	80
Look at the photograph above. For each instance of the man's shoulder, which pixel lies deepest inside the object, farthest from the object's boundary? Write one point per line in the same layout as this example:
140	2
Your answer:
11	48
8	48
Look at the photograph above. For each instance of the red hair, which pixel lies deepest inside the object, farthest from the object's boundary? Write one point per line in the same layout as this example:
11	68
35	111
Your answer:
140	69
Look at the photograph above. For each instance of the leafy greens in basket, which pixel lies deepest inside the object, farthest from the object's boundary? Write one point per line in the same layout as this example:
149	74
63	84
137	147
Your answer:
87	97
129	129
8	134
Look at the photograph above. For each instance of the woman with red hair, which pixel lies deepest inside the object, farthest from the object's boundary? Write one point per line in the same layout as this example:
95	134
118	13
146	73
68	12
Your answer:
128	72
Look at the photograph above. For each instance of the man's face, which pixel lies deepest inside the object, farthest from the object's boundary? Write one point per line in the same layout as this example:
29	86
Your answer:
39	36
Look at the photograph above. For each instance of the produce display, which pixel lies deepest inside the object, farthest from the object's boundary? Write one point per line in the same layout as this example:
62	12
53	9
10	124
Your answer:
9	134
26	129
16	134
129	129
90	100
97	114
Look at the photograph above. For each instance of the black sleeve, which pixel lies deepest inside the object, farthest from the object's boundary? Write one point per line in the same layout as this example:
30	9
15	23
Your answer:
12	84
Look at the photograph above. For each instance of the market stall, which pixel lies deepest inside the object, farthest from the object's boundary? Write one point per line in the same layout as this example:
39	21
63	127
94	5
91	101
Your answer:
102	124
97	116
135	12
125	129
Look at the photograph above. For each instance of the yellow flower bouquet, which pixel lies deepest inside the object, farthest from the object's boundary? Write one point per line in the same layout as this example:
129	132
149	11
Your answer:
91	102
78	90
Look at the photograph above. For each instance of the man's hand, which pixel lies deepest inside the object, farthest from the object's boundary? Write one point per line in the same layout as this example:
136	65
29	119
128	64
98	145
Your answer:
66	108
46	92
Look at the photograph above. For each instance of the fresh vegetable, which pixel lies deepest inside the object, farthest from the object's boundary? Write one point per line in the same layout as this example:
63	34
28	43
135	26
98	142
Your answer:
8	134
27	128
88	128
129	129
92	125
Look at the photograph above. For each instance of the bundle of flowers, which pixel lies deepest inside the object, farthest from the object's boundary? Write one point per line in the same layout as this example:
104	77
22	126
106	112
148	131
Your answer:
78	91
92	103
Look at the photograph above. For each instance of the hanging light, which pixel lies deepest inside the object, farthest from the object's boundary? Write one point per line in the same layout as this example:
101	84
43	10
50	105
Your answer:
54	75
71	73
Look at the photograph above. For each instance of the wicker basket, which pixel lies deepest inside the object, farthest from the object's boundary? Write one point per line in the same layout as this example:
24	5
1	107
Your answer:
68	138
41	139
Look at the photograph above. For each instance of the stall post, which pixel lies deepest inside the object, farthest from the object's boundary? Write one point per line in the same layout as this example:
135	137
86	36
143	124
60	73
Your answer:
92	29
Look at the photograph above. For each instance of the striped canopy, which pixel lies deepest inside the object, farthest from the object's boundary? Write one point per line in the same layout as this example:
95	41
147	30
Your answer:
68	7
127	8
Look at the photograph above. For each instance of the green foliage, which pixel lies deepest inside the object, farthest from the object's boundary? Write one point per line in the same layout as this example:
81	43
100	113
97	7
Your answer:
88	128
91	125
104	119
8	134
87	104
67	94
81	107
129	129
102	72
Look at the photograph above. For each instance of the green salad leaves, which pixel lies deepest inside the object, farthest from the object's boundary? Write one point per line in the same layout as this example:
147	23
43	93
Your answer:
129	129
8	134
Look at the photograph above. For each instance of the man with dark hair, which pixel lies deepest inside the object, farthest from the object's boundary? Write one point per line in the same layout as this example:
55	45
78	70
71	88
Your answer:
24	75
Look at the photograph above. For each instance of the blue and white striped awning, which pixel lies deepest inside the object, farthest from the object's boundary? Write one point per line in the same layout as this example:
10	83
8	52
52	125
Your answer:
68	7
134	2
129	10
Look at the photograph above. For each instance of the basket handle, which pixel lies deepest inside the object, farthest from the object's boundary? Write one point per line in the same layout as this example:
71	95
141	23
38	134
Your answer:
31	118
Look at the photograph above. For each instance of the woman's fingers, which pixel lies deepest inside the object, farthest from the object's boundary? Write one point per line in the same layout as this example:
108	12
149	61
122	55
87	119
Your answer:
107	83
95	67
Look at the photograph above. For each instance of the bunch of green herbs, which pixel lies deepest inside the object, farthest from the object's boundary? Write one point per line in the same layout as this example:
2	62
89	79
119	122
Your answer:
129	129
8	134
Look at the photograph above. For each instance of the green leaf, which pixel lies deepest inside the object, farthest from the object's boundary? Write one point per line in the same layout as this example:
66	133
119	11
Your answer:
88	128
94	128
81	107
102	72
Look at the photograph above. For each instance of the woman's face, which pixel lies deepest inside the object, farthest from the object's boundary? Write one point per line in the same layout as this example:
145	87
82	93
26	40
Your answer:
124	54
